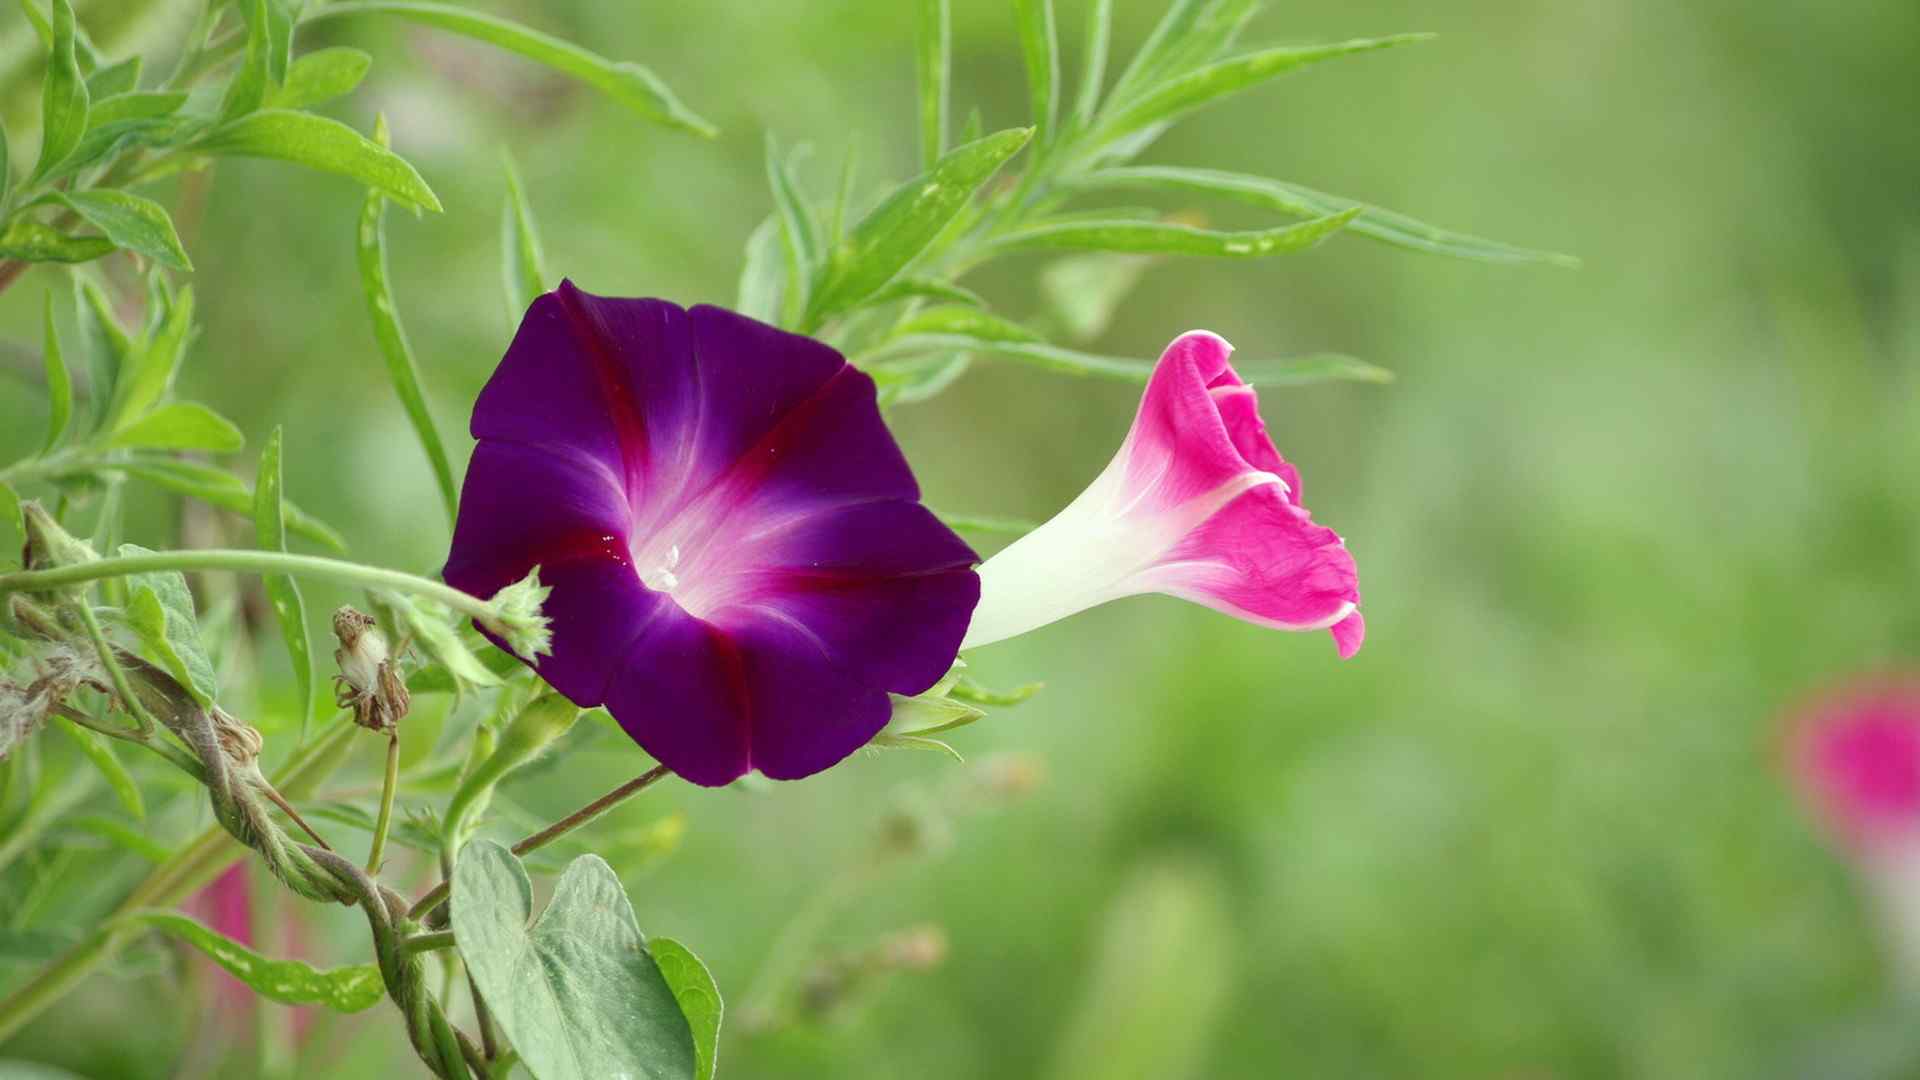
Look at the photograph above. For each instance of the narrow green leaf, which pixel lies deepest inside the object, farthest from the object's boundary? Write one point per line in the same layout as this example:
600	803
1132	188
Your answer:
63	96
983	523
522	264
798	231
147	377
1040	47
1150	60
13	530
1206	85
929	714
435	631
130	221
919	378
59	384
968	690
99	751
6	166
42	29
248	87
322	144
894	233
1093	75
960	319
34	241
116	832
913	288
1167	238
181	425
290	982
698	996
321	76
120	78
1384	225
577	993
763	275
107	347
217	487
281	17
437	679
627	83
283	592
146	119
1316	368
392	338
160	611
933	54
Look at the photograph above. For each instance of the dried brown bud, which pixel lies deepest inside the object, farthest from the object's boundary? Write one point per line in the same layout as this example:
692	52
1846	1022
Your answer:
369	682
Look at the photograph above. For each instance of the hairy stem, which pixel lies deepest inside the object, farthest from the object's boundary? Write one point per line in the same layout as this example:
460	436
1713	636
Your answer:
426	904
316	567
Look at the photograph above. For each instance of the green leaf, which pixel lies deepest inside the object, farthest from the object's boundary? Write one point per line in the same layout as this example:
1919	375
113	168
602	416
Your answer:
107	82
278	18
116	832
436	679
1099	39
130	221
290	982
145	118
909	288
763	277
1379	224
522	265
13	529
181	425
1167	238
799	233
1188	35
289	607
322	144
99	751
933	55
698	996
217	487
248	87
577	993
63	97
34	241
1318	368
929	714
627	83
160	611
982	523
894	233
1202	87
919	378
321	76
1085	291
959	319
59	384
6	167
968	690
435	632
147	372
107	346
1037	354
1040	47
392	339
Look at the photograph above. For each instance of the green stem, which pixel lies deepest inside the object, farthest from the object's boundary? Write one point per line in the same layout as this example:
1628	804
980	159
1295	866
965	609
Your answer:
425	905
130	702
317	567
387	789
168	885
429	942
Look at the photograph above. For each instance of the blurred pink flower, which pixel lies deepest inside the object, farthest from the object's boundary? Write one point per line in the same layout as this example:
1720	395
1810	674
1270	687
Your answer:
1197	504
1856	754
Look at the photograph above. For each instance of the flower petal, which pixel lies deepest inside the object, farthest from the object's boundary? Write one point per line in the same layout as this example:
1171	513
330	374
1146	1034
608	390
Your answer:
1179	448
1262	559
524	506
598	610
1240	412
807	712
680	695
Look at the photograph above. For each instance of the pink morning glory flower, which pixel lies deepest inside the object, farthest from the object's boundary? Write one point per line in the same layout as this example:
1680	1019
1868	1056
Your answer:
740	566
1856	754
1197	504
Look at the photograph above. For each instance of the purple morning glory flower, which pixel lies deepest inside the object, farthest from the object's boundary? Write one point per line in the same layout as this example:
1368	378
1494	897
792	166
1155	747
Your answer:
740	564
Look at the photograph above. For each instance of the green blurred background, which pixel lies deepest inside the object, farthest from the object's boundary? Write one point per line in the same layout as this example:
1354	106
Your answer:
1610	524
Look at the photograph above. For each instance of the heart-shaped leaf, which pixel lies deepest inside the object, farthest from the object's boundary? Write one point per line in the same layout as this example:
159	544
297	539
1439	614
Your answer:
576	993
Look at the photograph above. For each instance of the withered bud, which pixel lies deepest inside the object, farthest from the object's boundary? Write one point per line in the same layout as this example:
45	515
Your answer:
369	682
